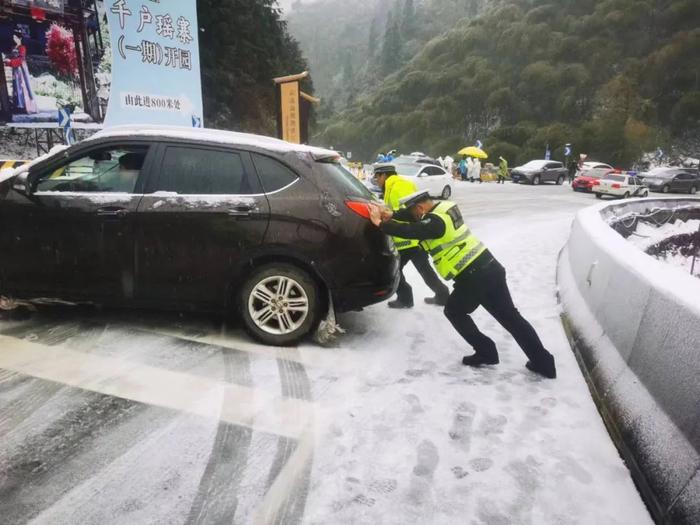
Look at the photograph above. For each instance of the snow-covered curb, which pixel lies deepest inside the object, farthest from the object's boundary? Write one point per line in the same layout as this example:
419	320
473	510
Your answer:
636	327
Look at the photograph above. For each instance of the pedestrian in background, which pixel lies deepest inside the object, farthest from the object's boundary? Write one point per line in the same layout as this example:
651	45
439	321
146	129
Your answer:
502	170
464	168
476	170
573	168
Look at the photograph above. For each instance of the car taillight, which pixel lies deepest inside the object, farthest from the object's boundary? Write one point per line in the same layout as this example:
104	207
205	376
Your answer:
361	208
596	183
616	186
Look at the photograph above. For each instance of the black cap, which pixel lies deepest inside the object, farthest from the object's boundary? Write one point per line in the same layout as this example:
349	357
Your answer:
385	169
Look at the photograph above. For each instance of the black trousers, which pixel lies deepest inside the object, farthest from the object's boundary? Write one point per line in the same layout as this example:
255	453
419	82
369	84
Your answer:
488	287
421	261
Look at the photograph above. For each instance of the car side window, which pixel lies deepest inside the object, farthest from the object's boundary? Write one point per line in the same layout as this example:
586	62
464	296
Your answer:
199	171
113	169
434	170
273	174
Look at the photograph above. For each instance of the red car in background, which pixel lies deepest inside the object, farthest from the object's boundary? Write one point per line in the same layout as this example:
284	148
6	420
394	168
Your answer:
586	181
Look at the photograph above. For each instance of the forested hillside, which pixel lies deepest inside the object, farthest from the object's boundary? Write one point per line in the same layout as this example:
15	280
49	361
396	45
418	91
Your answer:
352	46
244	44
613	77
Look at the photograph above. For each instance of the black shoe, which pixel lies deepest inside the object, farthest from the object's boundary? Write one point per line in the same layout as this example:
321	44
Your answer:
399	305
477	360
437	301
545	367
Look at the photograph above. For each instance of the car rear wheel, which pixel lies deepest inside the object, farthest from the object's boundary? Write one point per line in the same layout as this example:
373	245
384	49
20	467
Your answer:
536	180
666	189
279	304
645	193
560	180
598	196
446	192
626	195
693	190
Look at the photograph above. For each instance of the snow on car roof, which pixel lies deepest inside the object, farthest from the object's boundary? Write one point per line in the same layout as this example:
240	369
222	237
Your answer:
213	135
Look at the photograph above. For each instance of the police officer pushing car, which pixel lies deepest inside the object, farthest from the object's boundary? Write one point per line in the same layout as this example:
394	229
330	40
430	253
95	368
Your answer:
479	279
396	188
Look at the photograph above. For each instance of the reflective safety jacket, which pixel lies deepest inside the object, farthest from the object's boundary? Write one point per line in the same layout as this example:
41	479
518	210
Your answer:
395	189
457	248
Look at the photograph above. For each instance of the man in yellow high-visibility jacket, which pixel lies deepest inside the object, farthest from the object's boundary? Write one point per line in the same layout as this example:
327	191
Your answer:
479	279
396	188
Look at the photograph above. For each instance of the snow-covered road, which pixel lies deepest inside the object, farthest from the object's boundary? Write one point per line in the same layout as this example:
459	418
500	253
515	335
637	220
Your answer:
123	417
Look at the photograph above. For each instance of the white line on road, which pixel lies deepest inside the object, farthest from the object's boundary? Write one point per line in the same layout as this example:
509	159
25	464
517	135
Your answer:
249	407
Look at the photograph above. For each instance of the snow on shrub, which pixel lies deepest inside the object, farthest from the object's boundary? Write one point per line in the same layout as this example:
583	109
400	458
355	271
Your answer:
60	48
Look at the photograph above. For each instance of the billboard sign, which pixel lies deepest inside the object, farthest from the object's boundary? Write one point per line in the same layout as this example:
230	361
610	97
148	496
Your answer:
155	63
291	130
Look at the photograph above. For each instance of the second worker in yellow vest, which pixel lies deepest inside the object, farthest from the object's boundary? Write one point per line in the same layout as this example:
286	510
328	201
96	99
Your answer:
396	188
479	279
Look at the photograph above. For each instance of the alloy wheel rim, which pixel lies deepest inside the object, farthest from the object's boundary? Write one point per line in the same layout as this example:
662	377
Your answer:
278	305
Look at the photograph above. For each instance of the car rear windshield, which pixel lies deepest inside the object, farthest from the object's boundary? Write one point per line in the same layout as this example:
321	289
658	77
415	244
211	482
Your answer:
615	178
351	185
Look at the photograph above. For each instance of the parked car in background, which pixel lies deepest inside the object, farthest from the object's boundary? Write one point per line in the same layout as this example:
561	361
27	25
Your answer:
195	219
667	180
539	171
620	184
592	165
418	159
429	177
585	181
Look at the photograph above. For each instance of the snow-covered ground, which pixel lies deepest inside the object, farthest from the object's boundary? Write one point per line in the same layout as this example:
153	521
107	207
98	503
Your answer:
119	417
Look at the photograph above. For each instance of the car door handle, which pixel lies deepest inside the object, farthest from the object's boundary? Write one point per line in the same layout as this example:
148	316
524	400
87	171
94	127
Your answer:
240	211
112	212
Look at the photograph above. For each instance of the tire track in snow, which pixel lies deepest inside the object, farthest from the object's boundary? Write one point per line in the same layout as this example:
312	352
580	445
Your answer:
294	384
33	474
217	495
20	397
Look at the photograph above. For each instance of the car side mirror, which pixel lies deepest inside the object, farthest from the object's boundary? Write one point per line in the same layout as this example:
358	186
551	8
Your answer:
21	184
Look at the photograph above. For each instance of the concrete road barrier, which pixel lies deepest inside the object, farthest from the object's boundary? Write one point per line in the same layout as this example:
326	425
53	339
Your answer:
634	323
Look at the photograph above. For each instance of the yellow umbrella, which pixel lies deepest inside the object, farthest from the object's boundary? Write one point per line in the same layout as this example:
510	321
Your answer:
473	151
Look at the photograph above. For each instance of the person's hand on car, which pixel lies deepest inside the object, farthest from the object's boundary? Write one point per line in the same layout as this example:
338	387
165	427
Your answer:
387	214
379	213
375	213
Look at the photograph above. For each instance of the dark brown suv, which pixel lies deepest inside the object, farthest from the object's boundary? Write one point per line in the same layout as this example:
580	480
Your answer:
195	219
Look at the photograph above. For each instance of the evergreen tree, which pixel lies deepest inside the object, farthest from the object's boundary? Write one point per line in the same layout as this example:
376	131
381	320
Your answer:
348	75
391	50
373	36
408	24
244	45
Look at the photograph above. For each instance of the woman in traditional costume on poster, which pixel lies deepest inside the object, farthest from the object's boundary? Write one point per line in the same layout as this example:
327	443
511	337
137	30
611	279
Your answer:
22	94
